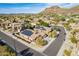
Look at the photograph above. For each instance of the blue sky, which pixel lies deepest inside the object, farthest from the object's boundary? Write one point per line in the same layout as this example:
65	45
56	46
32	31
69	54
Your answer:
7	8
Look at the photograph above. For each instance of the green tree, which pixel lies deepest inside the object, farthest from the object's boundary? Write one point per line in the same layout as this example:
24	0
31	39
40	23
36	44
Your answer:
27	25
43	23
71	21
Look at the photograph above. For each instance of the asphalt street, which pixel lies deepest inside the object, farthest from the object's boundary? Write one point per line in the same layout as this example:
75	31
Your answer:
16	45
51	50
55	46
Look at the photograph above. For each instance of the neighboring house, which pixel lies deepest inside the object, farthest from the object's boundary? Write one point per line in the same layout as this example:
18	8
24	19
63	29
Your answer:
6	24
16	27
62	22
1	22
75	26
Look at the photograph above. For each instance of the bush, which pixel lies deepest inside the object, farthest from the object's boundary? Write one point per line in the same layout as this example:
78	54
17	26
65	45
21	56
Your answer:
52	34
41	42
67	53
6	51
73	39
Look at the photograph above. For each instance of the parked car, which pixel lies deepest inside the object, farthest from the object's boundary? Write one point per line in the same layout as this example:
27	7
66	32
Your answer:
24	51
29	54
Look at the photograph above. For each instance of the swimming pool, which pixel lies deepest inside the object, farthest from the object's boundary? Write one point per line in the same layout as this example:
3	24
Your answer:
27	32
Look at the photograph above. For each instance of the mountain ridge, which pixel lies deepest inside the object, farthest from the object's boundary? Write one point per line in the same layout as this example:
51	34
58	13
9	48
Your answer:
59	10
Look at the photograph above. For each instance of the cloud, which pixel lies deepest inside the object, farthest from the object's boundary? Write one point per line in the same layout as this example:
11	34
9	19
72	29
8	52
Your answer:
66	5
69	5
